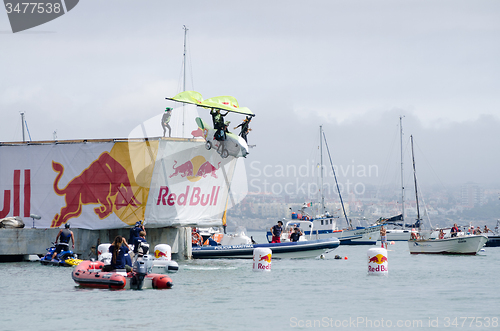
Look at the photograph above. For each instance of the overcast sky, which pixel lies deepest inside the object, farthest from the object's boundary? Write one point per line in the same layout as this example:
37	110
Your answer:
352	66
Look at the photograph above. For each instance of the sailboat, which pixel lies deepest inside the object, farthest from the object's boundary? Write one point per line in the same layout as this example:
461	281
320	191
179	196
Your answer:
398	230
460	244
325	225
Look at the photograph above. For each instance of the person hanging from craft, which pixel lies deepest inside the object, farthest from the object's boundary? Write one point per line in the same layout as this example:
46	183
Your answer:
244	127
218	118
220	135
165	120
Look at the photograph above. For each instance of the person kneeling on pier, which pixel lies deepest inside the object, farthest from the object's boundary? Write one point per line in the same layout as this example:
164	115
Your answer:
118	249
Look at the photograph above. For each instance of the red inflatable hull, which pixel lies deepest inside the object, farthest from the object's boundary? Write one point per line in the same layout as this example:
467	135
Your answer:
90	274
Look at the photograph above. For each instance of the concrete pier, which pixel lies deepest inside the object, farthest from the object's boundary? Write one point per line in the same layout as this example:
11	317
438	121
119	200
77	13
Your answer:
17	244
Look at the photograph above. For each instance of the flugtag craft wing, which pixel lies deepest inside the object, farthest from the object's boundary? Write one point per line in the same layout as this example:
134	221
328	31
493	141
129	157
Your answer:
233	145
226	103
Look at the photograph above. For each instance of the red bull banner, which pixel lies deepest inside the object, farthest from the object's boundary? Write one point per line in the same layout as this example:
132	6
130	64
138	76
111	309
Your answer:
191	185
106	185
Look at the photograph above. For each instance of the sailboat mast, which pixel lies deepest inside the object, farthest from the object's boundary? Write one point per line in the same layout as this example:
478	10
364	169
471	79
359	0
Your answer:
402	178
184	77
321	169
415	179
22	125
336	182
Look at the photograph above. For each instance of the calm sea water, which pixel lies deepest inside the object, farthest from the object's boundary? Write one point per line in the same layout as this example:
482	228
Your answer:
423	292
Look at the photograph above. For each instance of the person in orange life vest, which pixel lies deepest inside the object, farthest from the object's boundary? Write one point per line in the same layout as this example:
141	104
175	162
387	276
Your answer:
454	230
196	238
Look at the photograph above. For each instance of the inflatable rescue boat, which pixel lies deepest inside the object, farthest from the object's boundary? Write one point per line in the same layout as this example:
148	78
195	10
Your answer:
90	274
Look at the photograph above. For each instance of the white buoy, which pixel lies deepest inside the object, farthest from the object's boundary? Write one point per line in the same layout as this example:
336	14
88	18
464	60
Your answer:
163	252
163	260
377	261
262	259
103	253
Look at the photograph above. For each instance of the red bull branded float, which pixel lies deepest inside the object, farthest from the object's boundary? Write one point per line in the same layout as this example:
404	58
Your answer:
377	261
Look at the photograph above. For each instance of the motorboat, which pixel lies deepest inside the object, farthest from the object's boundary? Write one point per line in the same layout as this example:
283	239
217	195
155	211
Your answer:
240	246
494	238
325	226
466	244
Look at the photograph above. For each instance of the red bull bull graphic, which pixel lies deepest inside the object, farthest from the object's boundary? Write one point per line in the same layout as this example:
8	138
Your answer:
195	169
379	259
266	258
105	183
159	254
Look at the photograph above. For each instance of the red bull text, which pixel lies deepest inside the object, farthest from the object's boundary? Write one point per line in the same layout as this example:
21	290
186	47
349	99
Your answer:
196	197
17	192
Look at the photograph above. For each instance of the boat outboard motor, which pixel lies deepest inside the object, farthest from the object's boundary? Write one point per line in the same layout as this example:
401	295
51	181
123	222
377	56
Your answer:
142	266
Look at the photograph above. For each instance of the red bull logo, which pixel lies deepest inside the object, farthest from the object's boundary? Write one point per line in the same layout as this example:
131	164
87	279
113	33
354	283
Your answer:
105	183
195	169
379	259
159	254
266	258
191	198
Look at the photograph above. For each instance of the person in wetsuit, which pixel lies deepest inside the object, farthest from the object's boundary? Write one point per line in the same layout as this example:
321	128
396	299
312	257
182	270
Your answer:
64	236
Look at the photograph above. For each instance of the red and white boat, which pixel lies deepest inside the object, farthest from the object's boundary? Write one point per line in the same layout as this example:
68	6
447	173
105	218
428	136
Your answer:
90	274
